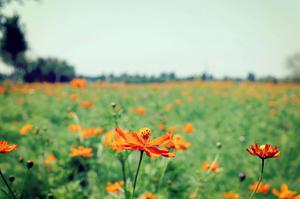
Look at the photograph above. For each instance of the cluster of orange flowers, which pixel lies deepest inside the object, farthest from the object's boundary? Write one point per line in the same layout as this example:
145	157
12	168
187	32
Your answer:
78	83
114	187
211	166
91	132
81	151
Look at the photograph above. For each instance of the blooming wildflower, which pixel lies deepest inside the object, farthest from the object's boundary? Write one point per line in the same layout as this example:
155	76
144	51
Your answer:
178	143
262	188
109	138
86	105
172	129
264	151
26	129
91	132
285	193
231	195
140	111
114	187
74	128
81	151
188	128
5	147
148	195
78	83
213	166
141	141
74	97
49	159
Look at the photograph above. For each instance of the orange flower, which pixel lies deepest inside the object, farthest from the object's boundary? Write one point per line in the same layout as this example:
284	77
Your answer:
74	97
6	148
91	132
74	128
172	129
26	129
213	166
86	105
148	195
49	159
285	193
264	151
231	195
114	187
140	111
262	188
141	141
161	127
2	89
78	83
109	138
81	151
188	128
178	143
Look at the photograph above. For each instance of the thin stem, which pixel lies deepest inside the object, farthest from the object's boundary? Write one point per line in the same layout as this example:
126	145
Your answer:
24	183
260	178
122	161
137	173
163	173
7	185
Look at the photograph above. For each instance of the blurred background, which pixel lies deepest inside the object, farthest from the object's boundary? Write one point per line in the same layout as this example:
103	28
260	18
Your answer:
138	41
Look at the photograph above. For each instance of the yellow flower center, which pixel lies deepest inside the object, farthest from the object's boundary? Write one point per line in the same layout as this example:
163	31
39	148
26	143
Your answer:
262	147
145	133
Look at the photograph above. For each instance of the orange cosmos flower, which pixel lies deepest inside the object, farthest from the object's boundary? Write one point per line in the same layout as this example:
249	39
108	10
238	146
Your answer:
140	111
78	83
114	187
264	151
91	132
231	195
172	129
141	141
49	159
86	105
148	195
2	89
74	128
161	127
26	129
285	193
178	143
188	128
262	188
81	151
6	148
213	166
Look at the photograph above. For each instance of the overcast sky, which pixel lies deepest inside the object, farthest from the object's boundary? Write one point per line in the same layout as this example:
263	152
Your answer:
151	36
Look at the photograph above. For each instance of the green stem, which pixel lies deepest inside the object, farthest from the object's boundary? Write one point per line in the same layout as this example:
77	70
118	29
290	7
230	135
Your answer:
24	183
122	161
163	173
137	173
7	185
260	178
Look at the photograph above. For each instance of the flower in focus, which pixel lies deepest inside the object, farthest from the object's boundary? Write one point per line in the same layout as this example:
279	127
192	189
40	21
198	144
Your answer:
188	128
26	129
231	195
78	83
262	188
81	151
178	143
114	187
91	132
49	159
285	193
5	147
86	105
141	141
213	166
73	128
140	111
264	151
148	195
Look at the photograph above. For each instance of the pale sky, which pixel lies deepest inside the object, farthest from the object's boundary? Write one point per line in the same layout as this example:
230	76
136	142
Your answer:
222	37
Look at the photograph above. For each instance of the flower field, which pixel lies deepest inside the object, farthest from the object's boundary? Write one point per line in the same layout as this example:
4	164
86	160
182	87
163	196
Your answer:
152	141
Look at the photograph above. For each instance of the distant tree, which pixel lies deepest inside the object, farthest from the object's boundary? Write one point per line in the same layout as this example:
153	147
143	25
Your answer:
293	64
251	77
13	44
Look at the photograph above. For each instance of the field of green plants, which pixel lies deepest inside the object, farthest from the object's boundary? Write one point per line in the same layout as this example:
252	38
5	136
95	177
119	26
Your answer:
67	131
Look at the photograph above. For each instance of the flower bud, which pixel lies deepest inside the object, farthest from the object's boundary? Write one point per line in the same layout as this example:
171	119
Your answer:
219	145
11	178
29	164
113	104
242	176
